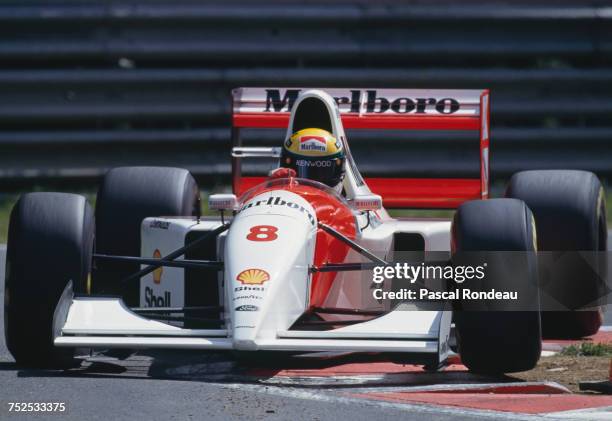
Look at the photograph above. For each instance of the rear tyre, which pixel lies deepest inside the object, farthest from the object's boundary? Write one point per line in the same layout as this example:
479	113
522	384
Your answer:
126	197
570	213
50	242
496	342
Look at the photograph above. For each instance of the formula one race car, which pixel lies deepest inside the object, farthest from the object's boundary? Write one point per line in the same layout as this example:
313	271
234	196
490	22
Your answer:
281	269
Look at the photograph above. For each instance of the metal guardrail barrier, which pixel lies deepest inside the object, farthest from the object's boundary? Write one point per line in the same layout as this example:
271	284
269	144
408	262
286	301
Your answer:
87	86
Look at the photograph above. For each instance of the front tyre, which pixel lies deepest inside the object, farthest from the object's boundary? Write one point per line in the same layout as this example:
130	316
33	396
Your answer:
495	342
126	197
50	243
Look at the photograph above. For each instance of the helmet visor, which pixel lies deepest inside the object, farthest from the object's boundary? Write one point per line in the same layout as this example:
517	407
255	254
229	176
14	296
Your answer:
328	171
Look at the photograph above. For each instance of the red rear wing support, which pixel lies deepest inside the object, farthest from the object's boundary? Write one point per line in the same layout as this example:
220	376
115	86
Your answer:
392	109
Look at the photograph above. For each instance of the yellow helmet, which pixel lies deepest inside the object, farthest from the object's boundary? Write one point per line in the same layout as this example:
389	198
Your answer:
315	154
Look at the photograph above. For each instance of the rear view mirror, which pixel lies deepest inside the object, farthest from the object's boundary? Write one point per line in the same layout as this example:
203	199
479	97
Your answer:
222	202
370	202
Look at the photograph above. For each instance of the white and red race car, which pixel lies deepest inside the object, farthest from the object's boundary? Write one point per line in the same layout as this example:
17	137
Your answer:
287	265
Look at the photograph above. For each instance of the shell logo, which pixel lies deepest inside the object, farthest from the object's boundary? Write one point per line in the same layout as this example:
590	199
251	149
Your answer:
253	276
157	273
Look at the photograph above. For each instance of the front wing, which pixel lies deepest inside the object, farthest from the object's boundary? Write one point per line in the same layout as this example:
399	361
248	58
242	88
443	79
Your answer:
105	322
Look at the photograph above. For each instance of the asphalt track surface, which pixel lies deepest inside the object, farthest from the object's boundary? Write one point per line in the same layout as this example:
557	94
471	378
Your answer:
176	385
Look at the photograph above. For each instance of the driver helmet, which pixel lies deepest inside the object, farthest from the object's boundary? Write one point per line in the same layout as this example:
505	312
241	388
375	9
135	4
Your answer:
315	154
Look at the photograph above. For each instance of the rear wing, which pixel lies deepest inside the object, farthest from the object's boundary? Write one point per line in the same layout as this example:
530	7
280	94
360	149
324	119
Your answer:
393	109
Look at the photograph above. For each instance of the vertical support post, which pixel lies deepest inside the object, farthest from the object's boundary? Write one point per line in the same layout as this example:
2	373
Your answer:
235	141
485	129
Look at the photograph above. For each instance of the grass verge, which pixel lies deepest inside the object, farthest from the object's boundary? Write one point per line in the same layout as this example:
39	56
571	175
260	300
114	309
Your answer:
567	370
588	349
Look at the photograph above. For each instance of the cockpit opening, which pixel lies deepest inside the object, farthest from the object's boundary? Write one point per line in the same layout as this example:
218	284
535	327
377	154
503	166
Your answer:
312	112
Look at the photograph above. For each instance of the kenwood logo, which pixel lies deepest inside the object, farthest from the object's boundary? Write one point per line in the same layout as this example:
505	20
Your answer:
306	163
282	101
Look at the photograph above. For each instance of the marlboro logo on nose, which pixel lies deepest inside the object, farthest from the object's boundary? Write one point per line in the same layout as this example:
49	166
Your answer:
313	143
278	201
